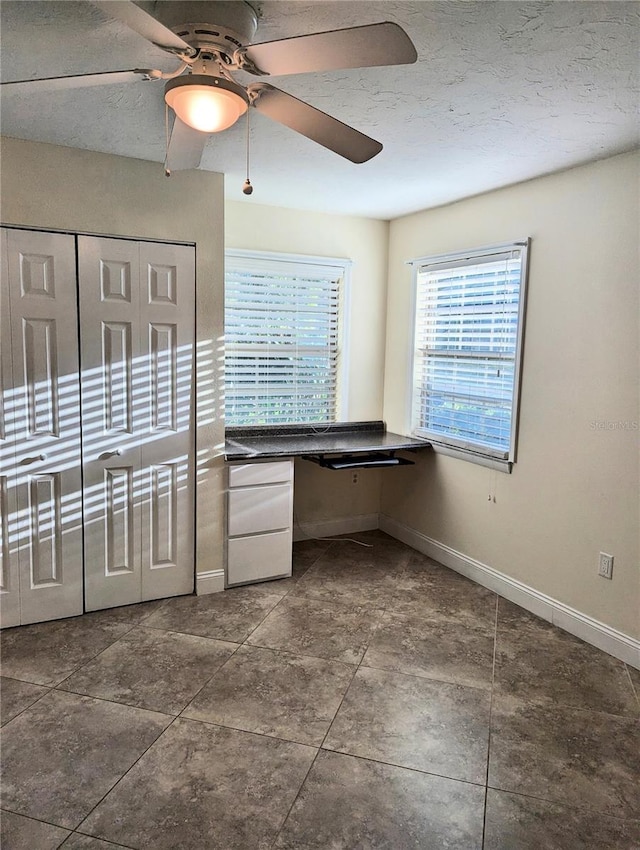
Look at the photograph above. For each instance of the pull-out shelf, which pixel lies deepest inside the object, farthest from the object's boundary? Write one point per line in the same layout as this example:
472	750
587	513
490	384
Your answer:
359	461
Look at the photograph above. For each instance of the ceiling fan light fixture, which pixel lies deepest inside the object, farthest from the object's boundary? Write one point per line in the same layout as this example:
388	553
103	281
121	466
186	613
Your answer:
206	103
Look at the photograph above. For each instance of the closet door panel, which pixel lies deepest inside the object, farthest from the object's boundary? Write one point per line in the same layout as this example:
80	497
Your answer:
46	486
9	572
167	309
9	580
113	401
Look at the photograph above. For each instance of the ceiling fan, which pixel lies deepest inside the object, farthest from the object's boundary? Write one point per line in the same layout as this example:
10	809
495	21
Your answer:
215	44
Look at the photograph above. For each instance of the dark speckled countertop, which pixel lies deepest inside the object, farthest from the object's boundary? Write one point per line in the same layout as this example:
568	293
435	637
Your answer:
266	441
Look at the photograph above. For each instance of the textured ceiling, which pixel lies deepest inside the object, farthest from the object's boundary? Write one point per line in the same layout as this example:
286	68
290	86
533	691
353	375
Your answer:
502	92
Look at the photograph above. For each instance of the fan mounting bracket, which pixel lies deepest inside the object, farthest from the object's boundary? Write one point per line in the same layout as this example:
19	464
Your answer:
254	92
241	62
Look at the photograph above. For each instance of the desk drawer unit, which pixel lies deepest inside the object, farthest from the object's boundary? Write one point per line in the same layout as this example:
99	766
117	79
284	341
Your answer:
259	558
256	509
260	521
252	474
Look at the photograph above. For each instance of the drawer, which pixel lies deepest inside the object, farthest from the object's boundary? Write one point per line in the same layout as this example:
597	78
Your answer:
250	474
259	557
255	509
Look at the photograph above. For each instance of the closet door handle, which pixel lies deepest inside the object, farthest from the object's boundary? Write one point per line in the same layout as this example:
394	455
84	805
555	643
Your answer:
34	459
107	455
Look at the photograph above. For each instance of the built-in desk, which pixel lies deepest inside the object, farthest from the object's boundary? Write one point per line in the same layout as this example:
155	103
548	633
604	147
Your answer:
316	441
260	494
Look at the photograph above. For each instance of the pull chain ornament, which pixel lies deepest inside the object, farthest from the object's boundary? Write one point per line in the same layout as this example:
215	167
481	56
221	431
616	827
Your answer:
247	188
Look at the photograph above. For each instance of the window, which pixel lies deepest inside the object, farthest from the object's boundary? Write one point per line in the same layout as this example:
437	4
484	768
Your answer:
469	320
282	338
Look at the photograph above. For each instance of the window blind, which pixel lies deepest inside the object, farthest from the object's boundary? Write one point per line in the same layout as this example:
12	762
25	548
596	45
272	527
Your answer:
467	341
281	341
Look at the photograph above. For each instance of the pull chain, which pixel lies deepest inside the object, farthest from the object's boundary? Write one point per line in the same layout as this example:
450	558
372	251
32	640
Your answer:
247	188
167	173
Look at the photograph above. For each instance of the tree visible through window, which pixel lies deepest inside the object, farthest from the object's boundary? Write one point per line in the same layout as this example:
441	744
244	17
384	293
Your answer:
282	351
468	334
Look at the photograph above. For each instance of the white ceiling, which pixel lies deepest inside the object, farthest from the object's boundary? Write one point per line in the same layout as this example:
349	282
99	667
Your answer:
502	92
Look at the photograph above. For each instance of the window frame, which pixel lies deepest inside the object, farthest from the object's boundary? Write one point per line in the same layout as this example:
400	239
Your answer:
250	260
465	449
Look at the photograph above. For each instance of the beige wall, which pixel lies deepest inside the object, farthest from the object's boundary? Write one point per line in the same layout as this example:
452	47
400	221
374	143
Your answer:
325	494
53	187
319	493
575	488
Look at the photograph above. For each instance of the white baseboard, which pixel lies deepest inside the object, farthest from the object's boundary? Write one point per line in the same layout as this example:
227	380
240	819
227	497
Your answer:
333	527
592	631
209	582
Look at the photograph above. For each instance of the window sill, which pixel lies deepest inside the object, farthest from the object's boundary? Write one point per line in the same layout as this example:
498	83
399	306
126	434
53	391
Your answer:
481	460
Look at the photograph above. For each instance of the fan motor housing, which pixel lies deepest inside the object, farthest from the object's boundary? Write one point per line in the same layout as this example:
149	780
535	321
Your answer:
223	25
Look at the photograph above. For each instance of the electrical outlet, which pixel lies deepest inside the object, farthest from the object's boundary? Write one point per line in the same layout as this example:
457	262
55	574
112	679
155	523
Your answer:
354	478
605	565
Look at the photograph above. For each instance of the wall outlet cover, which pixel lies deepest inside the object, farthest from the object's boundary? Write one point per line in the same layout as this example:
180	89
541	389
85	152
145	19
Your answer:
605	565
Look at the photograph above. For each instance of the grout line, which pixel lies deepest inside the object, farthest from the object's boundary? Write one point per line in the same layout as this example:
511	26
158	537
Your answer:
126	773
493	678
555	801
210	679
257	626
549	703
320	748
484	812
173	718
269	737
217	724
76	832
166	713
146	708
277	651
239	642
135	626
405	767
80	666
94	657
358	666
38	820
344	696
373	761
116	702
295	799
634	691
75	670
31	704
424	678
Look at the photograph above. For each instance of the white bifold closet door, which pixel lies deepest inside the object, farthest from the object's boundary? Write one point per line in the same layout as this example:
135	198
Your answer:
40	472
137	336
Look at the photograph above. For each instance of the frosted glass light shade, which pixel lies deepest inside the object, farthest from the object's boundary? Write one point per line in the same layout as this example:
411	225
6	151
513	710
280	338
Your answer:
208	104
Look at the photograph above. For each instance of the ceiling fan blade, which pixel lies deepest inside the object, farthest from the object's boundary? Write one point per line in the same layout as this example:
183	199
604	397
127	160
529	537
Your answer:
312	123
355	47
145	25
76	81
185	147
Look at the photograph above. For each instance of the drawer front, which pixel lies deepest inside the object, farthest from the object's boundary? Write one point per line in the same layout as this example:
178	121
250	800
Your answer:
255	509
260	557
250	474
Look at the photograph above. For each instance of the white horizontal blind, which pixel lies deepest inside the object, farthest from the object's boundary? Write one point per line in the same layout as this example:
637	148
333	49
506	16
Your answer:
281	340
466	350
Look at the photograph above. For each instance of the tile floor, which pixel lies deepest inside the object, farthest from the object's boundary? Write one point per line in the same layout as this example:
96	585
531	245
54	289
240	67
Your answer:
374	700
